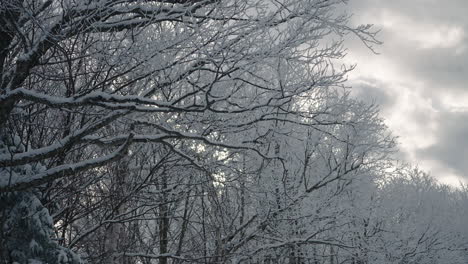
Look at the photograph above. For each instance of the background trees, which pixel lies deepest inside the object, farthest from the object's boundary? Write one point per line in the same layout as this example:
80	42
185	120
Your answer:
187	131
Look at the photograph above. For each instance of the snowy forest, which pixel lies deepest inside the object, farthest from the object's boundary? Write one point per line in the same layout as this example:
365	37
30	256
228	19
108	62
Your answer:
204	131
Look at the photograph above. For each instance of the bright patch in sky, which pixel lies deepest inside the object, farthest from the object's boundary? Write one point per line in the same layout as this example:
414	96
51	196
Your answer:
426	36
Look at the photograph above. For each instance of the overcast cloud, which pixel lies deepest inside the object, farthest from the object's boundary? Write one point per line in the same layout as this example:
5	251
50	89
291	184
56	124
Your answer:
419	79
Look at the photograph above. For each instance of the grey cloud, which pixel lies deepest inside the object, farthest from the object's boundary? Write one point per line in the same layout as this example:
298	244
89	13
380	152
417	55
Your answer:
426	11
442	69
451	147
374	92
447	71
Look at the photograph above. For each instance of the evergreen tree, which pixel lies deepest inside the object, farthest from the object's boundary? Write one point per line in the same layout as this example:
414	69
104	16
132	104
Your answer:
26	233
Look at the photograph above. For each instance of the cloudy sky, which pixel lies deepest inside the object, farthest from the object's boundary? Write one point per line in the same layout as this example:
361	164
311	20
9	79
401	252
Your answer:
420	78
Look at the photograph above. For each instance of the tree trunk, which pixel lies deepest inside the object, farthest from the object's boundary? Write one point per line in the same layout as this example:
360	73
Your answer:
163	221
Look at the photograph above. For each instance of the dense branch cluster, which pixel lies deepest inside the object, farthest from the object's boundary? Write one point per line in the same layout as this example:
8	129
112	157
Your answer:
202	131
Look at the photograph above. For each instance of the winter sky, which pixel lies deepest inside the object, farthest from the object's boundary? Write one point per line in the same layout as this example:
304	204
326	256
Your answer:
420	79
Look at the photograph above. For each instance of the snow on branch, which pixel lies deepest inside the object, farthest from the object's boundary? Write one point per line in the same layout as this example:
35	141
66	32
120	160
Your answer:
17	159
22	182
